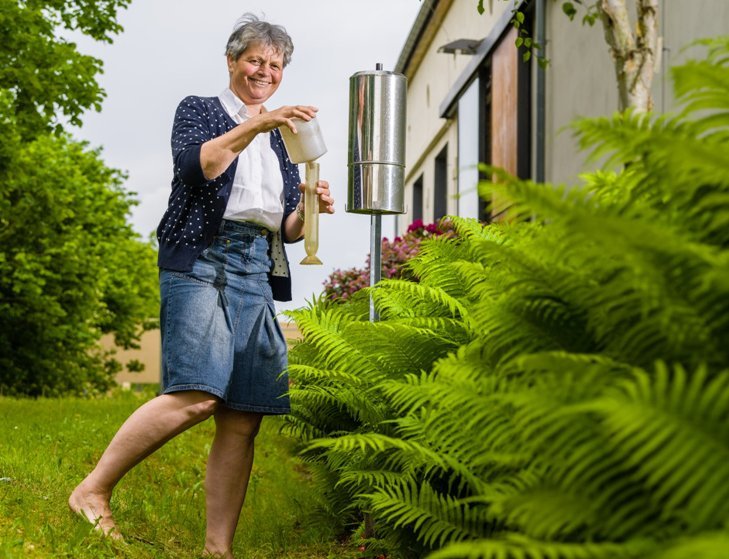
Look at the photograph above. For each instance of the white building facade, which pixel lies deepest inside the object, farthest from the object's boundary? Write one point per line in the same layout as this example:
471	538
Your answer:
472	99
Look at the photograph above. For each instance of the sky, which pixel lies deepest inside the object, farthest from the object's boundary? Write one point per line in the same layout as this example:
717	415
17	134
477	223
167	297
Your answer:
173	48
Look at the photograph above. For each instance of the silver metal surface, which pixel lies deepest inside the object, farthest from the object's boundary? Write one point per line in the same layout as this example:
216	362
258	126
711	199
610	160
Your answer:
376	142
375	259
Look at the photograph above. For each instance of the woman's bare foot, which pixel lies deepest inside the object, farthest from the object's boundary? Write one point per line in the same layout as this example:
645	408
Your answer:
224	555
95	508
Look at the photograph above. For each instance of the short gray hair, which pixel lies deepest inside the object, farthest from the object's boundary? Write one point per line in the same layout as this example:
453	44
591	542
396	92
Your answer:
249	29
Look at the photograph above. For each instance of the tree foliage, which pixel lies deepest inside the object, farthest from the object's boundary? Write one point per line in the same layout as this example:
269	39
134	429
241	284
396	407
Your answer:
71	267
552	387
44	72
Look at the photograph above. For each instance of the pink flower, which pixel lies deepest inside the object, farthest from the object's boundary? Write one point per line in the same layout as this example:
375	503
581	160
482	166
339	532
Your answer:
342	284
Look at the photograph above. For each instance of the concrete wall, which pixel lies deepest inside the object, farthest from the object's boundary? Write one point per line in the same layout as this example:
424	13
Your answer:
581	78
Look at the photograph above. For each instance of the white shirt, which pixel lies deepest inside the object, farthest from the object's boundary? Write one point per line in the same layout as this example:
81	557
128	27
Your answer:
257	193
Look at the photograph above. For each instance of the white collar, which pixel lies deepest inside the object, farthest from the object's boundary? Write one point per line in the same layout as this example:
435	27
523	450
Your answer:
232	104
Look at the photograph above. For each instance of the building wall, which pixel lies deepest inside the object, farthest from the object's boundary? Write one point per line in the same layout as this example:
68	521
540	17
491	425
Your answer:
580	82
427	133
581	78
148	354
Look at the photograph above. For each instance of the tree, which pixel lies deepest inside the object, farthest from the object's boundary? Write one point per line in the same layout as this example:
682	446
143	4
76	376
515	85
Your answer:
45	73
635	49
71	267
635	53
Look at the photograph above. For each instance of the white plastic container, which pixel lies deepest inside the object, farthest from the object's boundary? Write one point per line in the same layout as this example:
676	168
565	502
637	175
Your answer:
307	144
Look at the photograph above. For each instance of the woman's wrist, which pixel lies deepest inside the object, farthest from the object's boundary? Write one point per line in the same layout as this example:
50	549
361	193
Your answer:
300	212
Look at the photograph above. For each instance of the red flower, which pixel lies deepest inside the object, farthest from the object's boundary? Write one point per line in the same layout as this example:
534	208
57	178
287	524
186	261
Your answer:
415	225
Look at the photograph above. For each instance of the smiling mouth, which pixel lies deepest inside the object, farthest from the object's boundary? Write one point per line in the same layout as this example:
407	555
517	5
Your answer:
260	82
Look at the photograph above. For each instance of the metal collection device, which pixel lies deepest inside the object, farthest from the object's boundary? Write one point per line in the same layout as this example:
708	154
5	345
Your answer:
376	161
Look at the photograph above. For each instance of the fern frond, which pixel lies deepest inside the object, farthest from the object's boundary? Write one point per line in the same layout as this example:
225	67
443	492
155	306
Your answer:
373	442
432	265
359	481
709	545
309	374
357	404
419	300
652	279
470	228
704	84
673	430
436	518
398	348
452	329
514	546
297	427
323	330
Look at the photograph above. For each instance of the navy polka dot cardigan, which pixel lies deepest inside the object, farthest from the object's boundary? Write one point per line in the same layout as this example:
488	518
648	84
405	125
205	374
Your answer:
196	205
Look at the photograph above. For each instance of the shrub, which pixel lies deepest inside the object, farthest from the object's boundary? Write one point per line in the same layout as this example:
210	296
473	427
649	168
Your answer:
341	285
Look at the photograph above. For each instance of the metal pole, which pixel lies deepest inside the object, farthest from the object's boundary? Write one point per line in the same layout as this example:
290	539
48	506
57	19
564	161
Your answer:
375	250
375	258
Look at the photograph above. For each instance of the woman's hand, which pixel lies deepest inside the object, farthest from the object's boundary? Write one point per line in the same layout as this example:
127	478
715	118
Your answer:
326	202
294	226
217	154
283	116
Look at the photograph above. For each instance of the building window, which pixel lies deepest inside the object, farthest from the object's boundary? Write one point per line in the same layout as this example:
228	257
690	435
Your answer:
440	203
468	153
494	104
484	132
418	199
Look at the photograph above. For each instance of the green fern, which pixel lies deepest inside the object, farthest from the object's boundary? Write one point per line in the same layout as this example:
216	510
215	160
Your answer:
515	546
552	387
437	518
672	428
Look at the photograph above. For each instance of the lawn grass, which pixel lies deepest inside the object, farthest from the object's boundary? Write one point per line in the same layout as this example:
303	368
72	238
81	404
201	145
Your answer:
48	445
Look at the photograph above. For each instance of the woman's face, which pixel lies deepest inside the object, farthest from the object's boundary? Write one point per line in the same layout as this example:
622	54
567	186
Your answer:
257	73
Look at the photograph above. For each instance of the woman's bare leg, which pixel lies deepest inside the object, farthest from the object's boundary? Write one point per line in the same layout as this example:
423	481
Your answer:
146	430
226	480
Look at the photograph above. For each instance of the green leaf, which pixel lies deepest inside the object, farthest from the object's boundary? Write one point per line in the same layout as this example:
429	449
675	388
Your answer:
569	9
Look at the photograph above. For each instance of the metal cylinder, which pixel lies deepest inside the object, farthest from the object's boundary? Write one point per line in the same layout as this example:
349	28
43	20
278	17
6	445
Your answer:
376	142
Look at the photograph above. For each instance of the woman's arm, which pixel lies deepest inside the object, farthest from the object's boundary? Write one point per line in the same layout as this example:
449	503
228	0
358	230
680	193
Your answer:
217	154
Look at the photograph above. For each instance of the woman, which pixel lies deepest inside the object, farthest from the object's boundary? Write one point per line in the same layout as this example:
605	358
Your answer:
235	197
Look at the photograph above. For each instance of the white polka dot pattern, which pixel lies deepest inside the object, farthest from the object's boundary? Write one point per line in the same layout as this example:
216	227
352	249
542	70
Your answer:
196	206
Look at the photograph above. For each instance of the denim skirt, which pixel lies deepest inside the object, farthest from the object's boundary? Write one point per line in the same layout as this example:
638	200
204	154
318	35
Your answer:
218	323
